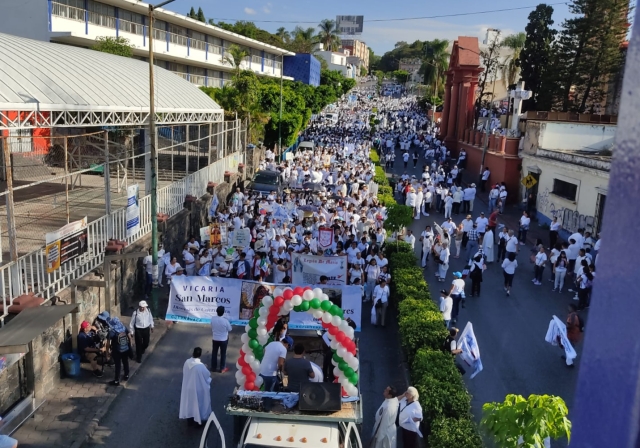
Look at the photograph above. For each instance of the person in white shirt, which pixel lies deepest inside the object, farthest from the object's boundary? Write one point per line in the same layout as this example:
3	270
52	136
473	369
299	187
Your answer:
493	198
275	354
141	326
384	428
509	266
503	199
525	222
482	222
372	273
446	306
485	177
410	238
468	197
410	416
443	261
578	237
554	229
449	226
381	302
426	237
541	260
457	294
220	328
511	244
147	262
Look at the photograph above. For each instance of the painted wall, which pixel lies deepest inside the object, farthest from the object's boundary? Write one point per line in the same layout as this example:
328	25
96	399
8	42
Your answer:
581	213
571	136
303	67
15	14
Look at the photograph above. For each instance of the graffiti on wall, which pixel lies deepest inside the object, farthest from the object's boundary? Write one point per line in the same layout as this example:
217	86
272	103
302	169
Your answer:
570	220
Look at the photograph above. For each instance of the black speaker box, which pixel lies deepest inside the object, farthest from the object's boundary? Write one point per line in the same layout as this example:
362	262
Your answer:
321	397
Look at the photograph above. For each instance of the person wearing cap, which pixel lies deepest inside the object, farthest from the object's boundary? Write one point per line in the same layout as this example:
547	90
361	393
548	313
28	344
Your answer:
450	345
101	324
119	343
87	347
446	306
141	326
457	294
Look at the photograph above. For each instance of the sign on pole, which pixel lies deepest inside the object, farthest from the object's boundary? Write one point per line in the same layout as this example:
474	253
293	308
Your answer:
65	244
529	181
133	210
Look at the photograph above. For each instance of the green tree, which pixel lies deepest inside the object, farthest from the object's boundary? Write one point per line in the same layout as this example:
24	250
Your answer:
532	419
535	57
510	68
283	34
374	61
328	35
491	60
200	16
435	64
401	76
589	52
192	14
303	40
363	71
234	55
398	217
120	46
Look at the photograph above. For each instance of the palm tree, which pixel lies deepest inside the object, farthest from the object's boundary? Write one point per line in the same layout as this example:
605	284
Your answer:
510	67
302	40
234	55
283	34
328	35
436	63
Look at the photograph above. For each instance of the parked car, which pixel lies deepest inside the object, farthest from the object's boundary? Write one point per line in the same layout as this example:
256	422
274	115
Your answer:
265	182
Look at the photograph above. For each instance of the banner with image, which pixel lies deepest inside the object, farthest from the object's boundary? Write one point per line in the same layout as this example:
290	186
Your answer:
195	299
133	210
307	269
65	244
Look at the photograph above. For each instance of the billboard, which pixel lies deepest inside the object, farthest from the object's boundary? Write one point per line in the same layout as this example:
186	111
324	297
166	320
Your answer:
65	244
349	25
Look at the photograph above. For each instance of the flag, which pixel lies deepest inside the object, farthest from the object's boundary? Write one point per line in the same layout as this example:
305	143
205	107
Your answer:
468	343
214	206
557	334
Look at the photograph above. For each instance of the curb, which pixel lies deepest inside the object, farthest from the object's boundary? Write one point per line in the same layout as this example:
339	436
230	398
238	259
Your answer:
100	414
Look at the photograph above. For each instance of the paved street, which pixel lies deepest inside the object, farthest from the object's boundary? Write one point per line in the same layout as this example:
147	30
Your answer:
510	330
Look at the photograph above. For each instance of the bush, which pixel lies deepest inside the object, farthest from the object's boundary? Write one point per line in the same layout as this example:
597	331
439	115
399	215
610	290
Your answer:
400	247
436	364
449	432
442	399
383	189
380	177
421	328
403	260
386	199
375	158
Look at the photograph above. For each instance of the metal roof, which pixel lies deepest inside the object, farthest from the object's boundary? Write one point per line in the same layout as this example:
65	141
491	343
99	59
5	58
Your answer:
43	76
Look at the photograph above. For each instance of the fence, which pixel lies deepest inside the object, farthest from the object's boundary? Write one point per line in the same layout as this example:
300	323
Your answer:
78	188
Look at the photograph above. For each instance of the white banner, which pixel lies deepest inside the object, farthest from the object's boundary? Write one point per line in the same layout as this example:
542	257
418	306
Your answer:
133	210
241	237
470	351
307	269
195	299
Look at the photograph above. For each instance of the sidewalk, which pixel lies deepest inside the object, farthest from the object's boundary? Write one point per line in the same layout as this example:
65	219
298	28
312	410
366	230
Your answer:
73	410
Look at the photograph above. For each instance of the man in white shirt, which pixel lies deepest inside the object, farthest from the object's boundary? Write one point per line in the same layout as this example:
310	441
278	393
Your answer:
482	223
449	226
493	198
511	243
427	243
273	362
141	326
485	177
148	267
220	328
380	302
446	306
503	198
410	239
468	197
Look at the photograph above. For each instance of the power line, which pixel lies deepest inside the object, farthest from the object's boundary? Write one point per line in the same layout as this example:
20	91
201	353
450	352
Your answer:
404	18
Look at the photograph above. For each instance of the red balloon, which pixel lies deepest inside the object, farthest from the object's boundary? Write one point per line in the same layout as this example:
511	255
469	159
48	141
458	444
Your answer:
287	294
298	291
308	288
256	389
246	370
278	302
251	377
242	354
242	362
333	330
325	324
249	385
340	337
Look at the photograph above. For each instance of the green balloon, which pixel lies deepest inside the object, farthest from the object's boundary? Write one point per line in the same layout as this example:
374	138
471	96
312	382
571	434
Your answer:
297	308
353	379
325	305
304	306
343	366
256	313
315	303
336	358
349	372
340	312
253	323
335	310
254	344
253	334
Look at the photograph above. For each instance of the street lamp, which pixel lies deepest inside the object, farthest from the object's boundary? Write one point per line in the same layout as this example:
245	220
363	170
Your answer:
153	156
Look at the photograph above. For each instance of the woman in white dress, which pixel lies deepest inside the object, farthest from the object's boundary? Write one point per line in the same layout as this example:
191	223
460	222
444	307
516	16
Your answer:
487	246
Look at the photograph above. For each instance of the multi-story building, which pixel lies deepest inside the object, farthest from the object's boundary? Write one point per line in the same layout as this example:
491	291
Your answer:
190	48
303	67
358	49
337	61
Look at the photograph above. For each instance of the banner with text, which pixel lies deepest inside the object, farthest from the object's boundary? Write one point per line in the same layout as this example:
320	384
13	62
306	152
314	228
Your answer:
195	299
307	269
65	244
133	210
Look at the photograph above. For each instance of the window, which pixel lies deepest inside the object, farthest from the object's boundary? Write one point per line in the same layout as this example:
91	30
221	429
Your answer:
565	190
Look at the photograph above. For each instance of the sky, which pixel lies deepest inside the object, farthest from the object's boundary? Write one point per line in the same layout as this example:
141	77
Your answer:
380	35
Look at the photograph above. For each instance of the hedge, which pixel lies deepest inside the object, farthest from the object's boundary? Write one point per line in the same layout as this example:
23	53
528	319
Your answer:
375	158
446	404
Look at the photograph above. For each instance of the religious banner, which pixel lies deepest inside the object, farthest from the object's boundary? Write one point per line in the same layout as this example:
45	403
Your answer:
218	234
132	211
241	237
325	237
470	351
280	216
195	299
65	244
307	269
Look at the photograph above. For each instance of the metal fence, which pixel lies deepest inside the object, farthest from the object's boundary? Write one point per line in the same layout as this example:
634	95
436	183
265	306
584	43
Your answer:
62	180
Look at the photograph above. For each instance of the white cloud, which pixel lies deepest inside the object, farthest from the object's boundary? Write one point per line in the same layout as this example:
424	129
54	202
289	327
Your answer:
266	8
249	11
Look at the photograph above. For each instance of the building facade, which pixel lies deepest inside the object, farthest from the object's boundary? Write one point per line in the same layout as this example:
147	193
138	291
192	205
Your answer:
191	49
338	61
303	67
358	49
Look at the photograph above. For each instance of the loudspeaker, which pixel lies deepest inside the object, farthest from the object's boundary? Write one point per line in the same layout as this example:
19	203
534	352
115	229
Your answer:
323	397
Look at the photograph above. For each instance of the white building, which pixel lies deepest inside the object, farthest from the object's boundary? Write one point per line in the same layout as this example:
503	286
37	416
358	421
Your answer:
187	47
571	162
338	61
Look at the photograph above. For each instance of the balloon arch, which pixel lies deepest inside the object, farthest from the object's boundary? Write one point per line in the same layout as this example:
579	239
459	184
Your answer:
315	302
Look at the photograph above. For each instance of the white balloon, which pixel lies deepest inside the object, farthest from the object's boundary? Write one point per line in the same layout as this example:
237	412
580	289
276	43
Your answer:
334	344
344	381
247	328
352	391
258	382
241	386
356	364
342	352
318	313
262	339
323	296
239	375
246	348
344	325
288	306
350	332
296	300
336	371
238	366
267	301
262	321
326	317
263	312
334	362
277	292
348	357
255	365
335	321
318	293
261	331
308	295
249	358
244	338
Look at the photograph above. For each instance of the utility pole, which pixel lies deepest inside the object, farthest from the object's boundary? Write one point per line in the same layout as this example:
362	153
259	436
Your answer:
153	152
280	120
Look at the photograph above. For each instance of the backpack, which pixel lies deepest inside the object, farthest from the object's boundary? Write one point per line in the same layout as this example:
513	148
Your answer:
121	342
446	345
580	322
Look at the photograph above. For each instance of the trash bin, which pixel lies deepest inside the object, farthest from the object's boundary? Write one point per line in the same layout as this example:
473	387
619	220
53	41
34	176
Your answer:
71	363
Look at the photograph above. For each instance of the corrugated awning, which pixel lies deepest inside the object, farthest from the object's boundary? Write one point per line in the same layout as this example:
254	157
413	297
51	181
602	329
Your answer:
28	325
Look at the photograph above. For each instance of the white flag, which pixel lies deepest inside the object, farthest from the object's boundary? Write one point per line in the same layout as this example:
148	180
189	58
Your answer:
470	351
214	206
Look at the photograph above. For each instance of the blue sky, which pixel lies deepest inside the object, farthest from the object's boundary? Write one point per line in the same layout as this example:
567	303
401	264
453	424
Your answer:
381	36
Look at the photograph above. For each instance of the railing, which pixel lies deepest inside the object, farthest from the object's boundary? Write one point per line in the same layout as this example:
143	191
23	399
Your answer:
198	44
278	65
68	12
256	59
268	62
215	49
178	39
197	80
29	272
184	75
102	20
131	27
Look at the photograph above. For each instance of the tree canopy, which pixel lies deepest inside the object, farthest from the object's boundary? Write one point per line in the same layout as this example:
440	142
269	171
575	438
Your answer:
120	46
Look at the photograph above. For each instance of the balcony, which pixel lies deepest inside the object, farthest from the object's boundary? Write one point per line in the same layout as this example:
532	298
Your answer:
200	80
80	27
